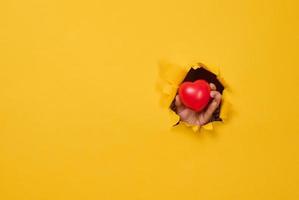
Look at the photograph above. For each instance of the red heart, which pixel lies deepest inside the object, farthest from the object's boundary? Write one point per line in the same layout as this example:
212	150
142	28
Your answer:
195	95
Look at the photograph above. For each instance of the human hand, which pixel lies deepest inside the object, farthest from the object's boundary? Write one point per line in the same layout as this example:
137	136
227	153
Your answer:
199	118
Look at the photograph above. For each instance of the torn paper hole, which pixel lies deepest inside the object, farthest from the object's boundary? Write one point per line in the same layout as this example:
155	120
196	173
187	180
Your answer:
171	76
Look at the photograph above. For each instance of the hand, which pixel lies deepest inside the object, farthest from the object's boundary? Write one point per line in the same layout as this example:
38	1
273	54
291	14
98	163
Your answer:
199	118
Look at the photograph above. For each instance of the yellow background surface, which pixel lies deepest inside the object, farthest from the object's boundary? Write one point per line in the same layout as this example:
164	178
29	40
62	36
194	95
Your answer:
80	117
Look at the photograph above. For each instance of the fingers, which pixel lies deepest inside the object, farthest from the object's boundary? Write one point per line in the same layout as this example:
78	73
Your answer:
212	86
189	116
185	113
212	106
216	95
177	101
182	110
193	118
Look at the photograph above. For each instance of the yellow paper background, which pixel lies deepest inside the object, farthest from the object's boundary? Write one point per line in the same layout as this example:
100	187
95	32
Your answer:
80	116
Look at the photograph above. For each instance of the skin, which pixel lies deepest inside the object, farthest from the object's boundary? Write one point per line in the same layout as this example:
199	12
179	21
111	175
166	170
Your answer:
195	118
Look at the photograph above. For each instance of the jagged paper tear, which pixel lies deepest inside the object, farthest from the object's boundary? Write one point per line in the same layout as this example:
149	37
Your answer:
171	76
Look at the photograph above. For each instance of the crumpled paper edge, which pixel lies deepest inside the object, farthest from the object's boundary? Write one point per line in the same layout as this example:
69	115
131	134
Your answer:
170	77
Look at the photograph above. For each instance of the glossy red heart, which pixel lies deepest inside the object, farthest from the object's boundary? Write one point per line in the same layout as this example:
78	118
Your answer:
195	95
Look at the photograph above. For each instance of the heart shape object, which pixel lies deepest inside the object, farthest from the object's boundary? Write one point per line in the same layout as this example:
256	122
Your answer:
195	95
